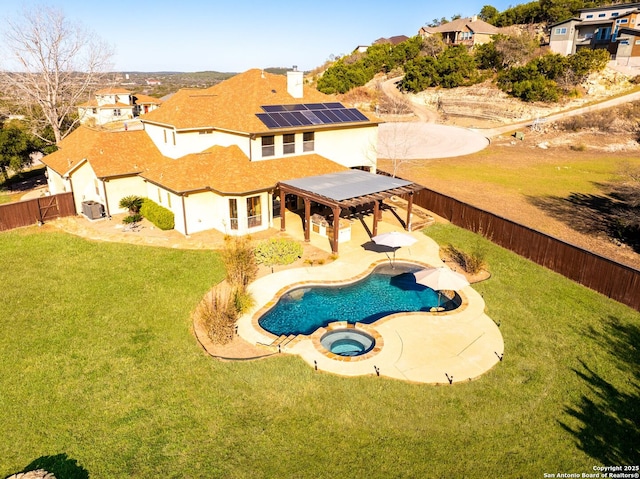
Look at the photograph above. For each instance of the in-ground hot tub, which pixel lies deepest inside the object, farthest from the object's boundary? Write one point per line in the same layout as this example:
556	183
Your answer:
347	342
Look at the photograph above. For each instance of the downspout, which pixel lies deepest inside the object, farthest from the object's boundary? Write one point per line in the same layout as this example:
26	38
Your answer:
106	199
184	216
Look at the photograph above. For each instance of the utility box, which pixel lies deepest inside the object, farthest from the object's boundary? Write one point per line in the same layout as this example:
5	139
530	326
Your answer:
519	135
92	210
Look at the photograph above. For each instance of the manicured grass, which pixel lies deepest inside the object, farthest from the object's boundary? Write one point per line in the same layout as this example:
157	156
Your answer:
98	366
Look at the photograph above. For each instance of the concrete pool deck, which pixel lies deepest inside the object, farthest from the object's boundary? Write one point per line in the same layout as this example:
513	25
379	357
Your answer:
421	347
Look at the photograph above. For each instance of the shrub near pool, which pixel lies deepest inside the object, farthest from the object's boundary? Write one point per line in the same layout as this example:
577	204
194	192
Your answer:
97	363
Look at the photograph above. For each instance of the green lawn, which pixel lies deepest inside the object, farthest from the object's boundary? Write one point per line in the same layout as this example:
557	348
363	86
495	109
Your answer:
99	372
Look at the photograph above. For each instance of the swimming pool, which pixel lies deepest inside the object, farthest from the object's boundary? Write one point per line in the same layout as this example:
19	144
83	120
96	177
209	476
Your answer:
385	291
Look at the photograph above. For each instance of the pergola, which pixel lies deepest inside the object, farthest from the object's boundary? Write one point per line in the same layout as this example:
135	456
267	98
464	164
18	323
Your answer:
345	189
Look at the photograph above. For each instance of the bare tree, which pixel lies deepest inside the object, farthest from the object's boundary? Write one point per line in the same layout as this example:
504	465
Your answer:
54	64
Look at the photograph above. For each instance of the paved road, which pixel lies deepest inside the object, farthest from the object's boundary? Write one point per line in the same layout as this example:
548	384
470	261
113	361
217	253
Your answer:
426	140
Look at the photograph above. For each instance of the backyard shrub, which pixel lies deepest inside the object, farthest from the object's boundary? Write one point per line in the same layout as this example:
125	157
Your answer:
132	203
158	215
472	263
132	218
218	314
277	251
239	261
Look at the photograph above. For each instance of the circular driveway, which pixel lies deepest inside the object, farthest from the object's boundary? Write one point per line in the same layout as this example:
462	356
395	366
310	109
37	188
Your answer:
417	141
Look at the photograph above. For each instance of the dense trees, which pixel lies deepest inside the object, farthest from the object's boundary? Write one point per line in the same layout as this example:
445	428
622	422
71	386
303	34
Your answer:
546	78
16	145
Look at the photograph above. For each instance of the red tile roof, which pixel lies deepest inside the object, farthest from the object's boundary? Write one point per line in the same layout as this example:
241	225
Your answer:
110	154
231	104
227	170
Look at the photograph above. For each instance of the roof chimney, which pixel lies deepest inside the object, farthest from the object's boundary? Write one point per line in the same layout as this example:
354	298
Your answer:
294	83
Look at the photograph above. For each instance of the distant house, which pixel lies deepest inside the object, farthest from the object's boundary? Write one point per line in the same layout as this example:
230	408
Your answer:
395	40
215	156
115	104
628	53
151	81
463	31
596	28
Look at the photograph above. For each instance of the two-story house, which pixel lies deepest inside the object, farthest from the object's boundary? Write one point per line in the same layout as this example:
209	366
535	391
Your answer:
463	31
214	156
594	28
115	104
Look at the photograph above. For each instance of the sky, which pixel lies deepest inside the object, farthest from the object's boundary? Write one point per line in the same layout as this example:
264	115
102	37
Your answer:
237	35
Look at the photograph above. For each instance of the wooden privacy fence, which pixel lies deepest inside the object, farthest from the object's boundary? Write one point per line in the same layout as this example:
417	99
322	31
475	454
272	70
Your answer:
612	279
38	210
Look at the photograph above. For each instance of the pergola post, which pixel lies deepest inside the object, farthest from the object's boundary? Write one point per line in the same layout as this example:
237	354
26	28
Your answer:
307	219
336	228
376	208
409	206
282	210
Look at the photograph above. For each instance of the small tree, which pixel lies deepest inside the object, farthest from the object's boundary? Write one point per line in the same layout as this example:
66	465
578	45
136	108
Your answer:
240	262
132	203
277	252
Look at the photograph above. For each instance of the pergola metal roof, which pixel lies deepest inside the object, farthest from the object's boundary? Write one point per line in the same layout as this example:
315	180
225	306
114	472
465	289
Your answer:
349	188
345	189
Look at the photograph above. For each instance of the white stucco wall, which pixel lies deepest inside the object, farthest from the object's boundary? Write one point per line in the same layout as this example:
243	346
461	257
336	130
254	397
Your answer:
349	146
192	141
116	189
57	184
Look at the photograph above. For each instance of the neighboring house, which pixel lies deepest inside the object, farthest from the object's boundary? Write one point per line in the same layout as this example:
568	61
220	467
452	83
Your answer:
115	104
628	53
395	40
463	31
214	156
593	28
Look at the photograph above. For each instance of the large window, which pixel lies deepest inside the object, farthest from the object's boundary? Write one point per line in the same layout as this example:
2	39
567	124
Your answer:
268	146
289	144
307	141
561	31
233	213
254	212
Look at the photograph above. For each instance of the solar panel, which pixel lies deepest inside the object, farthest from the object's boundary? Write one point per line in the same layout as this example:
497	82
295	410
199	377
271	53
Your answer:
300	114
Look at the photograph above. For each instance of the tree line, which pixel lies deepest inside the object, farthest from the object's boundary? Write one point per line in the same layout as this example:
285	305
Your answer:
514	61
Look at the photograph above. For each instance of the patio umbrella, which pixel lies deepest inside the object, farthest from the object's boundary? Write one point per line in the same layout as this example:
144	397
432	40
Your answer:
441	279
394	240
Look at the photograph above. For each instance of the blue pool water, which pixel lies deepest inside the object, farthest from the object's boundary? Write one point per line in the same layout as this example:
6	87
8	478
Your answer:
385	291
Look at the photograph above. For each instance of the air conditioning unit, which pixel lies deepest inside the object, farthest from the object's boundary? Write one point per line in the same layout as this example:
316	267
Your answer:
92	210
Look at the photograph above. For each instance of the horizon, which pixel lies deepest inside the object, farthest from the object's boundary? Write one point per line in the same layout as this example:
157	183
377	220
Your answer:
249	34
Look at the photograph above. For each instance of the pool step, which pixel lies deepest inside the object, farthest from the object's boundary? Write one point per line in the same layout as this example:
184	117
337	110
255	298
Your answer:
283	340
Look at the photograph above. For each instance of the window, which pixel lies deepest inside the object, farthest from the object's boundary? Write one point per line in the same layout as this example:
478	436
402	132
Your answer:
615	14
168	199
117	112
165	135
604	33
233	213
254	212
561	31
307	141
97	185
637	42
268	146
94	111
173	133
622	21
289	144
589	16
159	196
602	15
